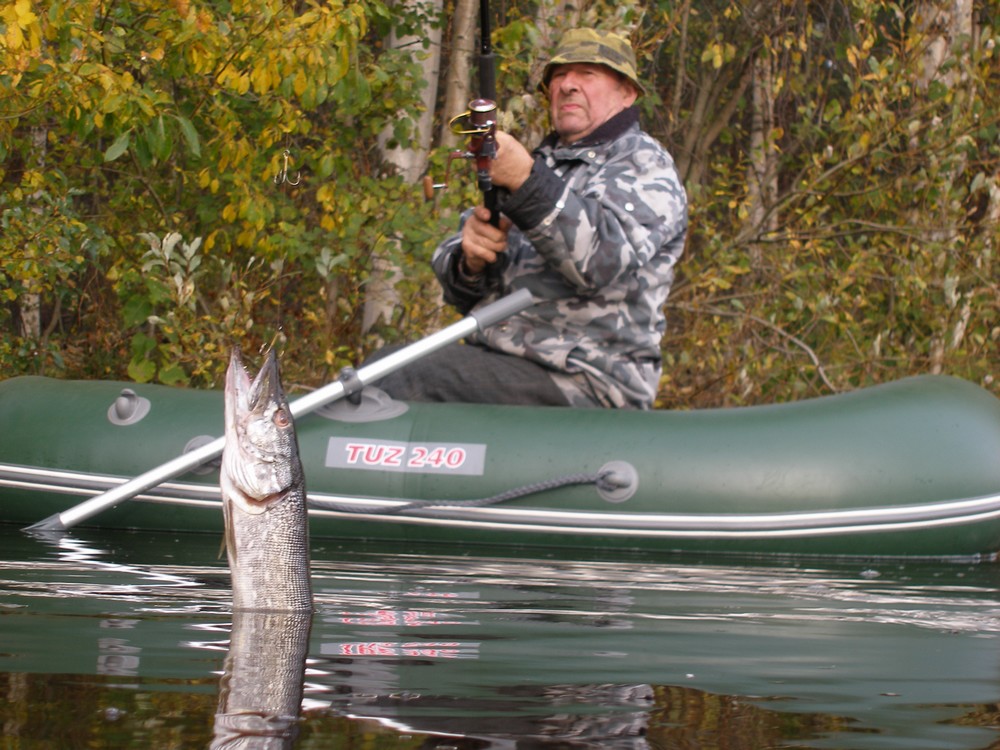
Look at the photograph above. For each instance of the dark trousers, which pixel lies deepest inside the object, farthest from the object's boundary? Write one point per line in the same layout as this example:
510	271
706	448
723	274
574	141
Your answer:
471	374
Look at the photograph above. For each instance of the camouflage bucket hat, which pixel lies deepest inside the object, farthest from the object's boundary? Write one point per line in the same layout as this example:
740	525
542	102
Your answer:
594	46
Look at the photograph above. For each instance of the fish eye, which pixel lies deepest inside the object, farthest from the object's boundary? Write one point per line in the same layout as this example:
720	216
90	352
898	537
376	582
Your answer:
281	418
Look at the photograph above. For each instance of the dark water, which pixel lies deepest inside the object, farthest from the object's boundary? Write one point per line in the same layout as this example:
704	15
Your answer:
120	641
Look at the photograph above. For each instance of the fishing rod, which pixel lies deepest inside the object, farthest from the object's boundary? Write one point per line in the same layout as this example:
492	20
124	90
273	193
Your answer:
479	122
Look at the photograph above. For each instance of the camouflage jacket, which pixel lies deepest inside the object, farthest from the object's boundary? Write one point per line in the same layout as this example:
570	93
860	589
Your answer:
598	228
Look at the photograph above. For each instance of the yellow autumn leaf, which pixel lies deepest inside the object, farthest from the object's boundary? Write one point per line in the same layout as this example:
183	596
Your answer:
325	193
25	16
18	18
14	39
260	77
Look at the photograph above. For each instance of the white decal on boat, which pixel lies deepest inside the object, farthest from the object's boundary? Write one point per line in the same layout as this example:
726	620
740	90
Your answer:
466	459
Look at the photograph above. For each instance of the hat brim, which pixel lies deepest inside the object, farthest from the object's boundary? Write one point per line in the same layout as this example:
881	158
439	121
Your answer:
555	62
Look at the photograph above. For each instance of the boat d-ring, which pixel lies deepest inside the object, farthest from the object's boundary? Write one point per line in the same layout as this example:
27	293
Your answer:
209	466
128	408
618	481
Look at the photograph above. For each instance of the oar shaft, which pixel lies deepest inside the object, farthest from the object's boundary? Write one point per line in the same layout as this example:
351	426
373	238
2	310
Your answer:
479	320
131	488
378	369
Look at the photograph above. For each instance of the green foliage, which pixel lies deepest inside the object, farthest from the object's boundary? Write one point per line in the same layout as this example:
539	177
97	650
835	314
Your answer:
875	258
126	123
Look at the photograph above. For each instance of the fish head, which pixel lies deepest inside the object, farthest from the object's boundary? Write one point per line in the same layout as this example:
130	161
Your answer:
260	461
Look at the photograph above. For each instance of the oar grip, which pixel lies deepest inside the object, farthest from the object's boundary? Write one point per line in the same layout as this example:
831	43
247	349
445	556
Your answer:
502	309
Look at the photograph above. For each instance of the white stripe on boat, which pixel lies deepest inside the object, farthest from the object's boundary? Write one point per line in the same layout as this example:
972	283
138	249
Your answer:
614	523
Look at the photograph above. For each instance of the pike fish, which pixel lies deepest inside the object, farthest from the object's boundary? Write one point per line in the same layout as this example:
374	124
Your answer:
263	494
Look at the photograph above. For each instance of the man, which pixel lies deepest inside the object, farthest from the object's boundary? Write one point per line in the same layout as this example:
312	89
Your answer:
593	225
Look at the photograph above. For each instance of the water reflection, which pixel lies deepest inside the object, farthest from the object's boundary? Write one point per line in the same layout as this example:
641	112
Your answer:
260	695
426	650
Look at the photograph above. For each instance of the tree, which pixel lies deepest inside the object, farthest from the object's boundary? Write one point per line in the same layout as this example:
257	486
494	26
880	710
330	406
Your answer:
942	32
457	81
422	43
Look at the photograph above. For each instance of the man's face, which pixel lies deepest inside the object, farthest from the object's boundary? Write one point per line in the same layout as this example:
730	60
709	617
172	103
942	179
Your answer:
584	96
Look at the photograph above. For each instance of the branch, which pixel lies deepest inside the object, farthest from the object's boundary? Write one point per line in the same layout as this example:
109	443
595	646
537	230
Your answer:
767	324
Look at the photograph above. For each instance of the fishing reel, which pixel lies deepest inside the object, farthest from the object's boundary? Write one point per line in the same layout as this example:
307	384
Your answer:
479	122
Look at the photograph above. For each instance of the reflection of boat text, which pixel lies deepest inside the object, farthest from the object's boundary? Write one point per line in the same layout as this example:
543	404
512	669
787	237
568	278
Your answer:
115	655
392	618
420	649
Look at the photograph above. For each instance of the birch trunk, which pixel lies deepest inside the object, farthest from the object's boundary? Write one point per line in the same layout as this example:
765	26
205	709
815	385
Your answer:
381	296
762	172
30	303
945	28
458	79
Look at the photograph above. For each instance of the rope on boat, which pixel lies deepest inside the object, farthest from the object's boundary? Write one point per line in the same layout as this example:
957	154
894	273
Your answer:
603	479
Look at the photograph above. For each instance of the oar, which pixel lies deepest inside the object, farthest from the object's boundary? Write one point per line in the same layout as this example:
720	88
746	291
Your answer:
479	320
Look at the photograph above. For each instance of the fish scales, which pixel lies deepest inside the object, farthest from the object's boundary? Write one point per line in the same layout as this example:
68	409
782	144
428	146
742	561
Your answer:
270	554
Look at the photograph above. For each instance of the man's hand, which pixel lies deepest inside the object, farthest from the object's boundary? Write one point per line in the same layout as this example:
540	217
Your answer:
481	241
512	164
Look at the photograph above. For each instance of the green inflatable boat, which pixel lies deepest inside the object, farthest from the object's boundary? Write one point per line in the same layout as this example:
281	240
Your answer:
906	469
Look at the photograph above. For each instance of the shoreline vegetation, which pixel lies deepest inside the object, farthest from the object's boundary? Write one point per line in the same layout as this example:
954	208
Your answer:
178	178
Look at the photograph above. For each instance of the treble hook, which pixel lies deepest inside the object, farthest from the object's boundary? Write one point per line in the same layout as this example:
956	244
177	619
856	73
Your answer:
282	177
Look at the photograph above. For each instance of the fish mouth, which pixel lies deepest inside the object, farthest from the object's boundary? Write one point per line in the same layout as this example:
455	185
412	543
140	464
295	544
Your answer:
248	402
244	395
